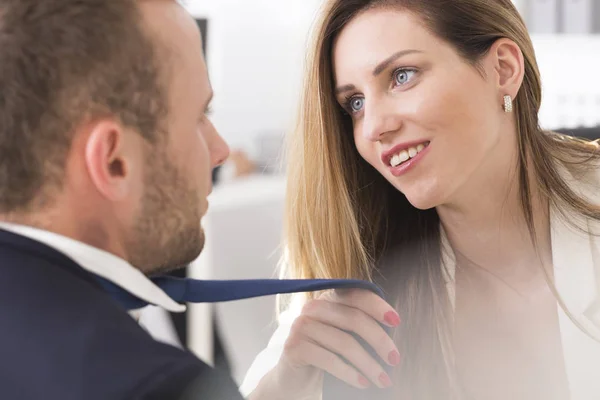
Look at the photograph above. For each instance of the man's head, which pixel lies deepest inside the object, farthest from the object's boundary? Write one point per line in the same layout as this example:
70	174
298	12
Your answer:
103	128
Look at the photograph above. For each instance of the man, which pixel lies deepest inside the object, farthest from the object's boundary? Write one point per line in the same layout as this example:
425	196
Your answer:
106	155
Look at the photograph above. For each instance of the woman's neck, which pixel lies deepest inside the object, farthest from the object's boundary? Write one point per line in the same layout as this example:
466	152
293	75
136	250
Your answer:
487	229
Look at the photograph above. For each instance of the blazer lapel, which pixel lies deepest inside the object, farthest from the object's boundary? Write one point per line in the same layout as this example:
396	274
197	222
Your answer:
576	260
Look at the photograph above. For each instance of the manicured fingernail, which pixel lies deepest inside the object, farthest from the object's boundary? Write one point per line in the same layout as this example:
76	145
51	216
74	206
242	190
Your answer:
392	318
385	380
364	382
394	358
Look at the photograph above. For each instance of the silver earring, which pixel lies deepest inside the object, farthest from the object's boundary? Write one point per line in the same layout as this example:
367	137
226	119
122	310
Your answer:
508	104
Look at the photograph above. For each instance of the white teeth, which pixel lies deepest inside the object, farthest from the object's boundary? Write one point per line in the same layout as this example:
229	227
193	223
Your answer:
403	156
406	155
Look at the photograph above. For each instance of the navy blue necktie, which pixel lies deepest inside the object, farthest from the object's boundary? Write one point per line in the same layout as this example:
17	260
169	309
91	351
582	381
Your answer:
201	291
185	290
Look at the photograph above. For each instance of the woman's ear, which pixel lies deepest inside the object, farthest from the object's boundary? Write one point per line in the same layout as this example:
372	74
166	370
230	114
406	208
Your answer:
509	66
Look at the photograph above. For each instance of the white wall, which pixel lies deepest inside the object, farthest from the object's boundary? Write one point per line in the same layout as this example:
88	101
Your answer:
569	66
255	55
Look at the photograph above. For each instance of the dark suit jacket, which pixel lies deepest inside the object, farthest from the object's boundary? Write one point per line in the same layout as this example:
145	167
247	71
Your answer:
63	338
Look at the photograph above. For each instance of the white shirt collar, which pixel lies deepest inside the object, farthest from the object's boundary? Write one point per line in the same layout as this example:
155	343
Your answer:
101	263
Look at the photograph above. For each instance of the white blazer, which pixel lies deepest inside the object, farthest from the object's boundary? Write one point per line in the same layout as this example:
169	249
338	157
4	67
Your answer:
576	260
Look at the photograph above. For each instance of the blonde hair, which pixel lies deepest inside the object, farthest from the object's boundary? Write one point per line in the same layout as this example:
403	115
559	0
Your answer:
338	222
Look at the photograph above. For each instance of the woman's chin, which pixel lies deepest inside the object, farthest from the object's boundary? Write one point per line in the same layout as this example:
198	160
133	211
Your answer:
422	201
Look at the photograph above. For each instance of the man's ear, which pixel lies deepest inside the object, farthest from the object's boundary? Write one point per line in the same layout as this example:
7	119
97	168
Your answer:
509	65
106	159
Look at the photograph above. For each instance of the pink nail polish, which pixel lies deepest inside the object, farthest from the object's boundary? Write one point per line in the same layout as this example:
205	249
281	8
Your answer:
385	380
392	318
394	358
364	382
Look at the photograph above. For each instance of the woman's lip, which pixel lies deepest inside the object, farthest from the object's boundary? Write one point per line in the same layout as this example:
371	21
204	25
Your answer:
406	166
387	155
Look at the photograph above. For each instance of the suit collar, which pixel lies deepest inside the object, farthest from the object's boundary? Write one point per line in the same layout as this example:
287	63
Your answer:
100	263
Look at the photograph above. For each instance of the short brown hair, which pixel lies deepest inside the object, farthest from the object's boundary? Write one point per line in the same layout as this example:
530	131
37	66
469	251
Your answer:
63	62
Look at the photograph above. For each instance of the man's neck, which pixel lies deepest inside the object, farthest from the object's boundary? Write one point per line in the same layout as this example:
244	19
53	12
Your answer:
66	224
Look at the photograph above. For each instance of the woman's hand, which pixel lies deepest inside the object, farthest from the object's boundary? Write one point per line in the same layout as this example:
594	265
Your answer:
319	339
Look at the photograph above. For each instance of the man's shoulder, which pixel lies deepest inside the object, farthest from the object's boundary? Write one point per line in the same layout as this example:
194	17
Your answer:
63	338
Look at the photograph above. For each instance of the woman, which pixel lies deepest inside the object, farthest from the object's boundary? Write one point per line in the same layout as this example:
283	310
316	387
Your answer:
419	163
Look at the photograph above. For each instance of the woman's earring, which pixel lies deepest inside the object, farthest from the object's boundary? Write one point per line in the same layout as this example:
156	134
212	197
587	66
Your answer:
508	104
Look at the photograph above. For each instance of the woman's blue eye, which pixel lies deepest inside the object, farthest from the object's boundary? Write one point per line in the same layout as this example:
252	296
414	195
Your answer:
403	76
356	104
